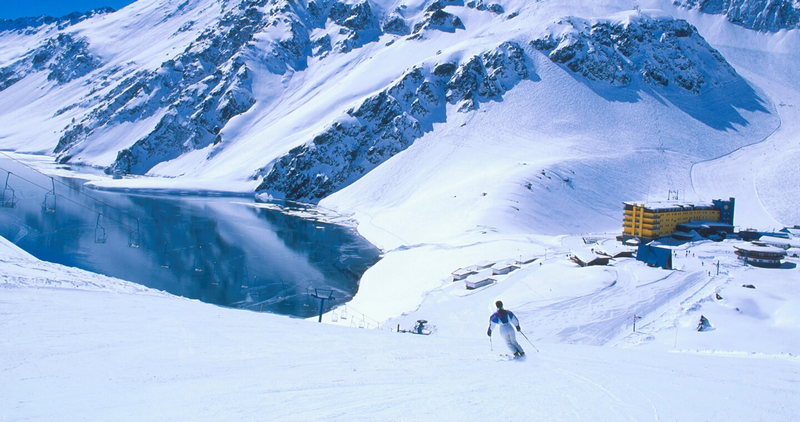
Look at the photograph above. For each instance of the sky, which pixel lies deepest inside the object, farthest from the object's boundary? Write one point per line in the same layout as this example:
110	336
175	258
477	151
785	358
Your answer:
18	9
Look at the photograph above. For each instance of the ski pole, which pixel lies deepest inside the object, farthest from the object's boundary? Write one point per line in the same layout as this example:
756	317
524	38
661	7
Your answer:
529	341
491	347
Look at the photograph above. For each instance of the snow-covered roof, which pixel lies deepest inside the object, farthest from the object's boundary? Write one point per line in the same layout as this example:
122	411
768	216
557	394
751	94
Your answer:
780	242
505	264
665	205
586	255
481	275
486	263
754	247
463	271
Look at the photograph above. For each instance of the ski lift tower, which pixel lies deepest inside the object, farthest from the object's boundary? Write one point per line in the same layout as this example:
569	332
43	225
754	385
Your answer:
322	295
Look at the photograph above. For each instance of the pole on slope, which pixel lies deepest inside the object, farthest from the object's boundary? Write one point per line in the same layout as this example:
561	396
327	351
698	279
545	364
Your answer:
491	346
529	341
322	295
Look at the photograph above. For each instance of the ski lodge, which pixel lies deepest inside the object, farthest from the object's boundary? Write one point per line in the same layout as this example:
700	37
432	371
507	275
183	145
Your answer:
652	220
760	254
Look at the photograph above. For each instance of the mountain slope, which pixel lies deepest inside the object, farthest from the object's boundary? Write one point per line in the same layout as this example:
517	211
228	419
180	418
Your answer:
331	100
94	348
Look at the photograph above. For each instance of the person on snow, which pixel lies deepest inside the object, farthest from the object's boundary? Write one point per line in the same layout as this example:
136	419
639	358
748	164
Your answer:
507	321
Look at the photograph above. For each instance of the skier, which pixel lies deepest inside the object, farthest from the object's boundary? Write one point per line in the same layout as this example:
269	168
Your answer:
507	322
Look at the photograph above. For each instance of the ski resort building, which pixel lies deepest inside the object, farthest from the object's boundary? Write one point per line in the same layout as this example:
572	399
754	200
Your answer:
652	220
655	256
589	258
760	254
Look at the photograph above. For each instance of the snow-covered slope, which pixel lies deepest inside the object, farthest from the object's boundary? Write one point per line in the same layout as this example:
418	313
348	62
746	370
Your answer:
454	132
302	99
79	346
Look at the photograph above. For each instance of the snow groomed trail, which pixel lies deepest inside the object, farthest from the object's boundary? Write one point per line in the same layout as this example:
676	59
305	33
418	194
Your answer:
749	173
604	316
106	354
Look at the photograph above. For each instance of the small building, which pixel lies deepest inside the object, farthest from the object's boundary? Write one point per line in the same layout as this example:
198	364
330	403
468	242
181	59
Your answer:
505	267
482	278
614	250
589	258
524	260
750	235
486	264
463	273
792	231
780	242
706	229
760	254
655	256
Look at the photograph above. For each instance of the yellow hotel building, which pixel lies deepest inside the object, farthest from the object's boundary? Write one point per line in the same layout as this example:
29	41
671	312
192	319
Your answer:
652	220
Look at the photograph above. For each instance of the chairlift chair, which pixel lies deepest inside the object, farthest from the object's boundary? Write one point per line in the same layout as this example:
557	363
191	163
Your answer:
9	197
49	203
165	257
198	259
100	235
133	237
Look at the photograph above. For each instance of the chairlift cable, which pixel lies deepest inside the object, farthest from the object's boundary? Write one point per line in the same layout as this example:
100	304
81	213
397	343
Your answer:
64	184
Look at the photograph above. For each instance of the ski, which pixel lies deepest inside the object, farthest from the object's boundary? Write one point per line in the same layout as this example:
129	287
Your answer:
507	356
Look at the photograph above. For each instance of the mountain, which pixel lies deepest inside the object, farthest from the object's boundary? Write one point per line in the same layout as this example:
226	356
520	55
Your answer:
30	25
453	133
761	15
517	108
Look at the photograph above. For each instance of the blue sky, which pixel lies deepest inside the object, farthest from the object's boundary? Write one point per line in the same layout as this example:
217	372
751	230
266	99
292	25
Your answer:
12	9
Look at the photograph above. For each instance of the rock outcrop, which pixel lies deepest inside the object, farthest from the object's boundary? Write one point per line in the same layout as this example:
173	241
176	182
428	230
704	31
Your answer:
388	123
661	52
760	15
65	57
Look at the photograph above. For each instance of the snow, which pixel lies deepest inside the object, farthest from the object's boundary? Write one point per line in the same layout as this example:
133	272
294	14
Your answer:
82	346
530	175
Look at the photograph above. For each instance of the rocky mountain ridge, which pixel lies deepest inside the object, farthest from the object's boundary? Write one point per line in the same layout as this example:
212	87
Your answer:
186	103
31	25
388	122
662	52
761	15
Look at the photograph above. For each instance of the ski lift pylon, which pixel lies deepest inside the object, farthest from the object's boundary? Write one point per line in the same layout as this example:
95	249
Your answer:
9	197
49	204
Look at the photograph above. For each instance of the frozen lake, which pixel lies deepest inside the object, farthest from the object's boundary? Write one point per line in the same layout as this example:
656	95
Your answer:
218	249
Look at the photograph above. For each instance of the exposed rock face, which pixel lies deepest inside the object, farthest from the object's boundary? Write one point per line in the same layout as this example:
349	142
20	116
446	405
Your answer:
761	15
387	123
704	324
188	100
201	90
437	18
31	25
197	92
396	25
65	57
484	6
358	24
661	52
